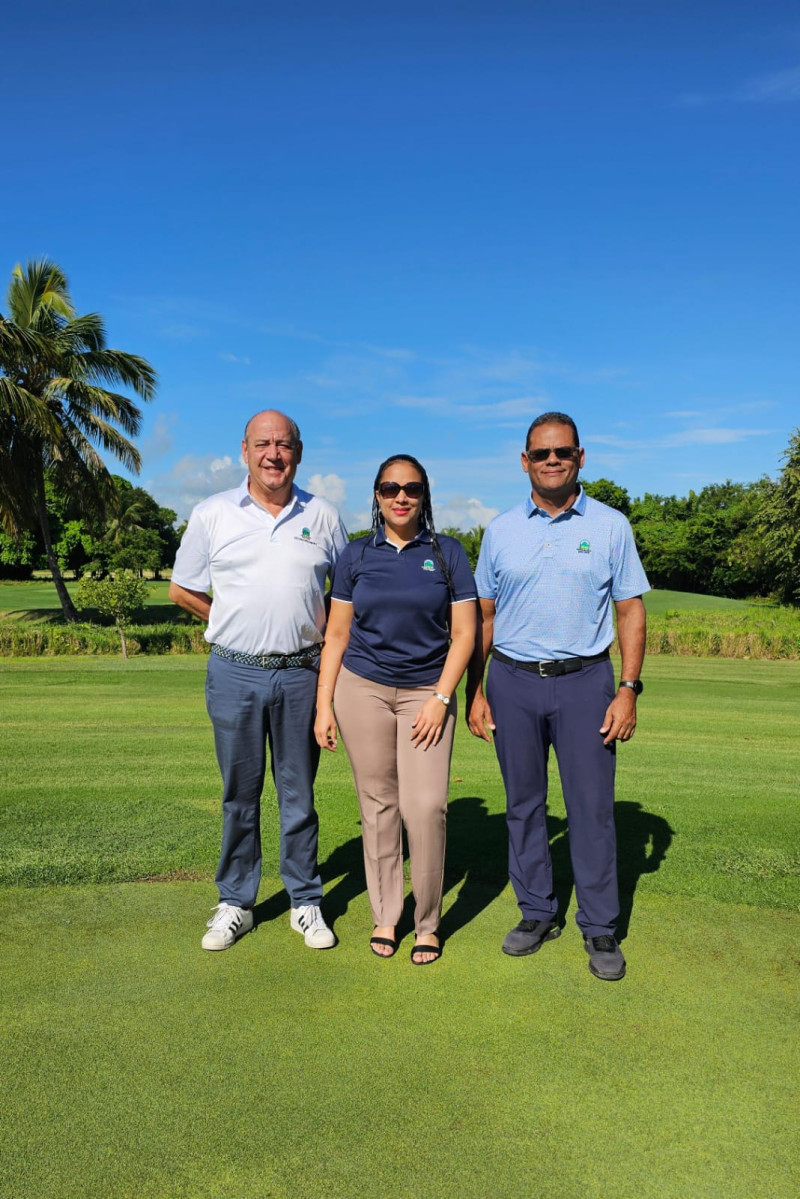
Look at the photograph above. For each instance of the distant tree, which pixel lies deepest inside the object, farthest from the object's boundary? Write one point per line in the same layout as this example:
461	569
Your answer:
779	526
120	599
609	493
16	555
55	407
140	534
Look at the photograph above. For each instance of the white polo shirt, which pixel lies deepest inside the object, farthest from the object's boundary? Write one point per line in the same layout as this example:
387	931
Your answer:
267	573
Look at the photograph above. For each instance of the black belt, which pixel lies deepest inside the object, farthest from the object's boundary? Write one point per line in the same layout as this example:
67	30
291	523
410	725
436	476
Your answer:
549	670
303	657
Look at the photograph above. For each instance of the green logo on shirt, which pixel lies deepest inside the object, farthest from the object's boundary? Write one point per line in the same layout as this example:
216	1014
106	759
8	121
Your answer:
428	565
584	548
306	534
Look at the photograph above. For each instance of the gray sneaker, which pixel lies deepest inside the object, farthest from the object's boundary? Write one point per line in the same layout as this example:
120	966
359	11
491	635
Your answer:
605	958
529	936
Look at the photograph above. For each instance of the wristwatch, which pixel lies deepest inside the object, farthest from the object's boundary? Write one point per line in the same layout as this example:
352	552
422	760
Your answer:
444	698
636	685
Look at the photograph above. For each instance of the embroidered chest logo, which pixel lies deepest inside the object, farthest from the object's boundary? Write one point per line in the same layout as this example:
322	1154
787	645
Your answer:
428	565
305	536
584	548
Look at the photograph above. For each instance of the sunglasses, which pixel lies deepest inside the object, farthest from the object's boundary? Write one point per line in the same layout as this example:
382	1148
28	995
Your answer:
388	491
563	452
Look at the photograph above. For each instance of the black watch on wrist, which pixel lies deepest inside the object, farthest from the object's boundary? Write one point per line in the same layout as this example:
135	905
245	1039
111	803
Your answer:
636	685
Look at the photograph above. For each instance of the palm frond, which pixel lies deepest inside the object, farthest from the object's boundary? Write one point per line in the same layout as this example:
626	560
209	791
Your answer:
95	427
26	413
115	366
84	401
88	330
38	293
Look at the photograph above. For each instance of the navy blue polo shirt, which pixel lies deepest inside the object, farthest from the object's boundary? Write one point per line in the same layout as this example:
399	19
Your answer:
399	635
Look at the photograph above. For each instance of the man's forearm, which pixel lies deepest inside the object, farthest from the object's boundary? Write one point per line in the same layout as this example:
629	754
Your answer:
632	636
196	602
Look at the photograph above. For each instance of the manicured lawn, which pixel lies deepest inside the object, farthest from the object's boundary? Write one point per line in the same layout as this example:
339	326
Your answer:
136	1065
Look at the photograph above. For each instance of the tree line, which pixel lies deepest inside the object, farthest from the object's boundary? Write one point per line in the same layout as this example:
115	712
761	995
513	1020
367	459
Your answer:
61	507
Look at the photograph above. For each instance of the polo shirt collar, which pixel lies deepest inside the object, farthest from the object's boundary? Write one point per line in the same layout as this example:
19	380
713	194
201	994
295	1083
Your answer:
423	537
243	496
579	507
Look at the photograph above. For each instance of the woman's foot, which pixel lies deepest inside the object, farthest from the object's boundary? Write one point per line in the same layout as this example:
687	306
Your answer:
427	949
383	941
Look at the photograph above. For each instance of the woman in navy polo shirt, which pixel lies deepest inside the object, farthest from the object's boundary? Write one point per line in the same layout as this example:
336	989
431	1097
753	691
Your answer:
400	633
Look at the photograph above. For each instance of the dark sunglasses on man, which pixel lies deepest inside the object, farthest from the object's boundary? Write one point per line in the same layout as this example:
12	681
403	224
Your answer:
563	452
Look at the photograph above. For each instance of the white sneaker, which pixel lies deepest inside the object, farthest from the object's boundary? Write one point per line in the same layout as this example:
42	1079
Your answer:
310	923
226	925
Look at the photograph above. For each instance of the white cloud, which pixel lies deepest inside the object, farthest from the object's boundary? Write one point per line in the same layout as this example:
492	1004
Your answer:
330	487
777	87
195	477
241	360
460	512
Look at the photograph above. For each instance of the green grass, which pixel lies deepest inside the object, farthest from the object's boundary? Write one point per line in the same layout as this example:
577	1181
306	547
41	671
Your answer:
39	595
657	602
136	1065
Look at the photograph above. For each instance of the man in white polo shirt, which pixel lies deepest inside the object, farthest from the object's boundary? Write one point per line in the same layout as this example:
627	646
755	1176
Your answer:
265	550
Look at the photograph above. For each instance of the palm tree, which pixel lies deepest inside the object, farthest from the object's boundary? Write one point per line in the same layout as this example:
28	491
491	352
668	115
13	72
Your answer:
55	406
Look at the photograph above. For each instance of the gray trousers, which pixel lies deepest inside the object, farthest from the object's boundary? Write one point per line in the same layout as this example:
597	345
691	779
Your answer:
250	707
397	785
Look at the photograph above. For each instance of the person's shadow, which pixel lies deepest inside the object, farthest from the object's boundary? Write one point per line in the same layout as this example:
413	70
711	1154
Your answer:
477	864
642	843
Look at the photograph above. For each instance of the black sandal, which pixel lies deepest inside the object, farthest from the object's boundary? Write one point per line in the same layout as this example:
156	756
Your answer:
383	941
418	950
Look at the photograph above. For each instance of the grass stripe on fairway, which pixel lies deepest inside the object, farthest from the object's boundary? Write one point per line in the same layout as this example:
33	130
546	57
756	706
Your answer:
110	776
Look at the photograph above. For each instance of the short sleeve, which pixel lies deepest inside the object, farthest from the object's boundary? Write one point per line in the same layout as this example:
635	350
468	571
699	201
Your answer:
628	576
192	568
342	584
461	574
485	577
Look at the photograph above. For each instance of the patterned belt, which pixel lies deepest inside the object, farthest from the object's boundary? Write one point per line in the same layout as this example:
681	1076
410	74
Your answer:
303	657
549	670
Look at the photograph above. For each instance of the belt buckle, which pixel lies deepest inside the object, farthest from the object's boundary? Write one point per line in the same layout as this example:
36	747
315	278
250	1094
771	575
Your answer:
544	672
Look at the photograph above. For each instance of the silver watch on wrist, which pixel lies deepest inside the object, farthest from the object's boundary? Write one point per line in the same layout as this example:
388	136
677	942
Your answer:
444	698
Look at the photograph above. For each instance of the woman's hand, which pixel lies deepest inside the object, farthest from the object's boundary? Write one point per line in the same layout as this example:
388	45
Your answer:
428	723
325	731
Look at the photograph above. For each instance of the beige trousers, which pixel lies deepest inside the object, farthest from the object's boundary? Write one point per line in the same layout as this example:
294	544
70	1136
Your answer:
397	784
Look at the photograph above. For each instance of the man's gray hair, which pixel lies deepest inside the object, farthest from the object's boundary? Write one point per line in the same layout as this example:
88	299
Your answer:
294	428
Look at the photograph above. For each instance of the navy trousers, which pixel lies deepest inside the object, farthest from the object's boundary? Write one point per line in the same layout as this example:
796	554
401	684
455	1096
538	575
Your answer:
531	714
250	707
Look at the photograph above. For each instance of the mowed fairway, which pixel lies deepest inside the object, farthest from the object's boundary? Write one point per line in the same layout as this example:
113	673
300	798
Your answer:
136	1065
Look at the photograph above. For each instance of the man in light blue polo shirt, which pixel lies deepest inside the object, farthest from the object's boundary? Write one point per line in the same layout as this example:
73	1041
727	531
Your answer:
548	573
265	550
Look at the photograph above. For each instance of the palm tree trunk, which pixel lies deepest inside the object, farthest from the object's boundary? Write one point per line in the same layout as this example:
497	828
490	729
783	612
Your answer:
67	606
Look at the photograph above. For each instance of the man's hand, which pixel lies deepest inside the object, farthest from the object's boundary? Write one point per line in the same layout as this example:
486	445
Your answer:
479	719
619	722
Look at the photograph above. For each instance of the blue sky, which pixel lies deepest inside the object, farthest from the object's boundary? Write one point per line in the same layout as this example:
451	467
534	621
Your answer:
415	226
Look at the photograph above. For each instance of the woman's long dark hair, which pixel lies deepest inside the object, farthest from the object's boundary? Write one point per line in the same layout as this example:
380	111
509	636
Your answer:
425	512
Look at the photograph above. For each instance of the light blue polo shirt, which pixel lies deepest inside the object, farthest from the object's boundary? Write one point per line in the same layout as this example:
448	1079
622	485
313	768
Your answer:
553	578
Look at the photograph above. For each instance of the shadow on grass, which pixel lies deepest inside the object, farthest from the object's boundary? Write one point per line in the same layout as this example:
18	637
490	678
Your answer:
477	864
